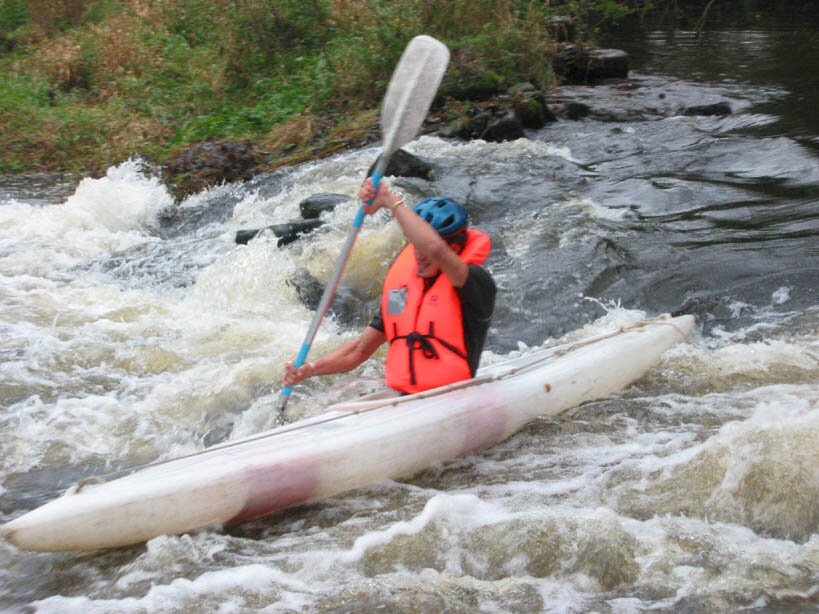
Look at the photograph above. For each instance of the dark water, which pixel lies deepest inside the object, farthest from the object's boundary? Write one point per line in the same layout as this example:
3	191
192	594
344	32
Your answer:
131	333
746	204
731	205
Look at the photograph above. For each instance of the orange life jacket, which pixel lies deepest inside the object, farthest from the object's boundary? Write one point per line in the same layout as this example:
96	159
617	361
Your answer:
425	327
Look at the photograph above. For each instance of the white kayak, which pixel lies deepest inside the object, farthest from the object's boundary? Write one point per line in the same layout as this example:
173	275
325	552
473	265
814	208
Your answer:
352	445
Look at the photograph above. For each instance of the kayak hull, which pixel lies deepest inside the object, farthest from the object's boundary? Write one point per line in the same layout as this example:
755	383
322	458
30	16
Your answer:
352	445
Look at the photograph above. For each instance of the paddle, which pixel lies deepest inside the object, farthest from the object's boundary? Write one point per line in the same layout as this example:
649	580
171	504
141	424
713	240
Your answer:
412	87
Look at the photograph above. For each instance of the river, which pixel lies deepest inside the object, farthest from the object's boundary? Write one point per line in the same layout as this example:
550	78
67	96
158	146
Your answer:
133	331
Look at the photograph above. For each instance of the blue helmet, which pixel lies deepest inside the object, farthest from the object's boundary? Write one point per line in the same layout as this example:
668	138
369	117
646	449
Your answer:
443	214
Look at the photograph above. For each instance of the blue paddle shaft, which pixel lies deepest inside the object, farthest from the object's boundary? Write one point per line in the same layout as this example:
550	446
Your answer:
301	358
376	177
332	285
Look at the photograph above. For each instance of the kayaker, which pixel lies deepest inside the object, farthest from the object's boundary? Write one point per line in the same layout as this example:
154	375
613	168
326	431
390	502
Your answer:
436	304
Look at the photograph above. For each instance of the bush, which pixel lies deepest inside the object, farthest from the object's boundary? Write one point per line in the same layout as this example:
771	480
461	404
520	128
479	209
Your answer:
486	37
47	17
198	22
262	36
13	19
275	102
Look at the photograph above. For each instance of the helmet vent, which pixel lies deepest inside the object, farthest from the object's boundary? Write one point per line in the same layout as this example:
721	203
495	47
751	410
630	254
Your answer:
445	215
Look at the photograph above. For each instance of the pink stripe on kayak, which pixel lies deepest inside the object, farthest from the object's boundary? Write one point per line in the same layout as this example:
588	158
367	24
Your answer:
277	487
486	421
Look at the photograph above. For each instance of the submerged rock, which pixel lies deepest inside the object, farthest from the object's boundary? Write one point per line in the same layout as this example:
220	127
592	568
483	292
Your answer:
540	546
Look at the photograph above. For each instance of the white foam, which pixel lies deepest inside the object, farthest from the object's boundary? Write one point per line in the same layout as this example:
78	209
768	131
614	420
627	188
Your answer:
122	200
756	360
682	554
781	295
214	586
463	508
602	212
516	150
107	214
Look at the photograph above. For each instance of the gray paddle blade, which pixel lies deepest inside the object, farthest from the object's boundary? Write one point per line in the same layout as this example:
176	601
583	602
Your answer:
411	90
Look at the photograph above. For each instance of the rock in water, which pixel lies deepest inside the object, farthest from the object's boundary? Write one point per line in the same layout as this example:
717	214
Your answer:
404	164
207	164
287	233
506	128
313	206
718	108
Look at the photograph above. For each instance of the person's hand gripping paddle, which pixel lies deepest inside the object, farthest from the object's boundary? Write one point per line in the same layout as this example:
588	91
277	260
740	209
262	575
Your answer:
409	96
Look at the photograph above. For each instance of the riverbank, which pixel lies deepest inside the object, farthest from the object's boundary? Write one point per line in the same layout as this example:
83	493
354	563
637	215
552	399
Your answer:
84	85
227	90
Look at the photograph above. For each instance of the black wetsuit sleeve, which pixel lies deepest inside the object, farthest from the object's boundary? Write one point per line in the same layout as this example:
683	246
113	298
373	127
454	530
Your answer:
477	305
378	322
478	293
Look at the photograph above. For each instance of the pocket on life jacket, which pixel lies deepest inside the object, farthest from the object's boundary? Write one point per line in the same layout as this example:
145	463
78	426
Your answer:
397	301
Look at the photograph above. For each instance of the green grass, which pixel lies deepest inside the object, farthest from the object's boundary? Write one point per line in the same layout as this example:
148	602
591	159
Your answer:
85	84
253	112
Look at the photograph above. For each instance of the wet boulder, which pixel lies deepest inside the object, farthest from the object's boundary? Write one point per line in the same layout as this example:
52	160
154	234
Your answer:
608	64
530	113
580	65
313	206
574	110
466	79
404	164
308	288
569	63
203	165
286	233
505	128
540	97
470	125
718	108
458	127
502	118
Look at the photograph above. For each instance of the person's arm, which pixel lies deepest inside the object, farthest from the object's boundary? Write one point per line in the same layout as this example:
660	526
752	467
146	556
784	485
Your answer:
344	358
424	237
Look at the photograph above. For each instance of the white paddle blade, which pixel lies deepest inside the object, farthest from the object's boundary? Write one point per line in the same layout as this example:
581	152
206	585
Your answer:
411	90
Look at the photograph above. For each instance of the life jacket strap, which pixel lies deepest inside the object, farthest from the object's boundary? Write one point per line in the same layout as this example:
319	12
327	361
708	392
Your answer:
417	341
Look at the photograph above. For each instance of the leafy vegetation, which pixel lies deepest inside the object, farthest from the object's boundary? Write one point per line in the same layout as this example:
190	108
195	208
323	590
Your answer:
86	83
